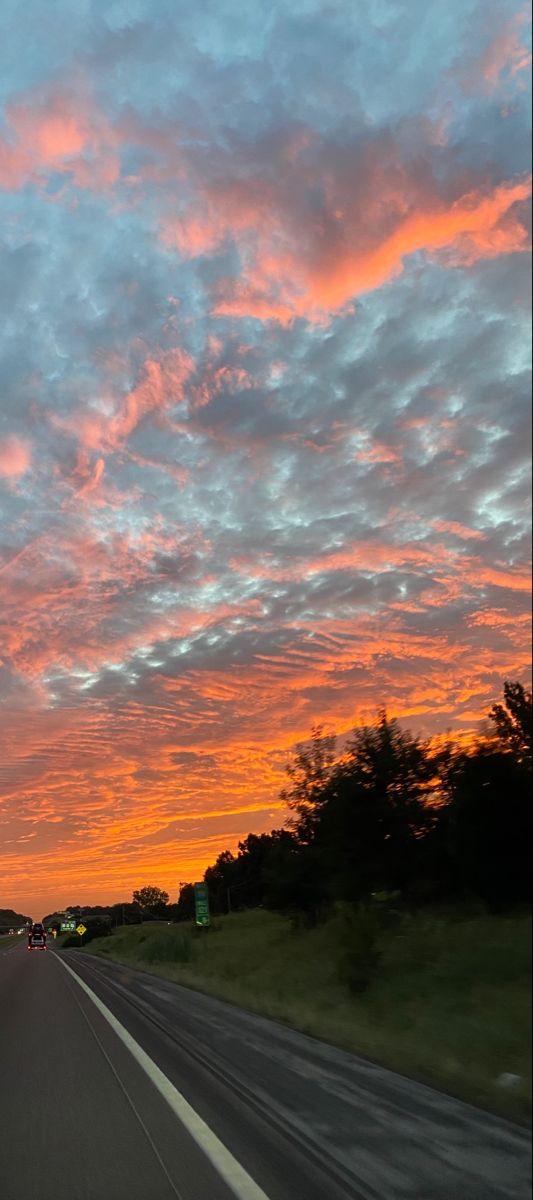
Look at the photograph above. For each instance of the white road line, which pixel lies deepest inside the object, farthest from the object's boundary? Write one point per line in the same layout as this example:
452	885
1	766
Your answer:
238	1180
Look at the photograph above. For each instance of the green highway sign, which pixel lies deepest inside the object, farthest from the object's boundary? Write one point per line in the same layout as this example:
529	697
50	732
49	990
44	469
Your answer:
68	926
201	904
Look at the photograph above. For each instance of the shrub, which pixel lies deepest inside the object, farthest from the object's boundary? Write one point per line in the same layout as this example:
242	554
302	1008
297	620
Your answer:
72	940
95	927
361	952
166	949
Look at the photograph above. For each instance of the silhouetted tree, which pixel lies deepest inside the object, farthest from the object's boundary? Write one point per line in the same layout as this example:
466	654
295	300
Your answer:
391	816
489	826
126	913
270	868
184	909
295	879
9	919
309	772
512	720
219	878
374	811
152	900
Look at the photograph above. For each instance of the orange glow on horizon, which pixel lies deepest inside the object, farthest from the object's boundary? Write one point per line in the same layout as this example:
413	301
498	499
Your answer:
263	440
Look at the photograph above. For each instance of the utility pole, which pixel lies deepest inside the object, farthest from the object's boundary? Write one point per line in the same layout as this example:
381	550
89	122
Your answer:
233	888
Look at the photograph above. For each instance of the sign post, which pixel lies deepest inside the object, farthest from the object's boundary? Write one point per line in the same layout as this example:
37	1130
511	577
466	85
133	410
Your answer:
201	905
81	929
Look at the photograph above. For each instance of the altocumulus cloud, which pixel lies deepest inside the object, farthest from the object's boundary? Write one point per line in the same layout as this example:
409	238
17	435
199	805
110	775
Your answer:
264	410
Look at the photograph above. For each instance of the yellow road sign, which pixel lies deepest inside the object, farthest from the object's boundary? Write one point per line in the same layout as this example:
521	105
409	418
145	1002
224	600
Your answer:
81	929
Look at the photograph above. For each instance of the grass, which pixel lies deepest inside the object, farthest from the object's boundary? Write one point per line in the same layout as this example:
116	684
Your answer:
446	998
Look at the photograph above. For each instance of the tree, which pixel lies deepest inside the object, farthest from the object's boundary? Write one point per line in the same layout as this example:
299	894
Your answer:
11	919
512	720
294	877
184	909
309	773
264	871
219	878
248	888
374	814
489	826
151	899
126	913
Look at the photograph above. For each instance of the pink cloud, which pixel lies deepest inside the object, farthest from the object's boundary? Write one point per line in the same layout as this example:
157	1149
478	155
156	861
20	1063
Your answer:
15	165
506	52
60	131
375	208
216	379
15	457
108	426
92	481
378	452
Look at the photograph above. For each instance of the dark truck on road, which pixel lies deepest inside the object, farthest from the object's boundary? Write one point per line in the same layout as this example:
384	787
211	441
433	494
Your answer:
37	937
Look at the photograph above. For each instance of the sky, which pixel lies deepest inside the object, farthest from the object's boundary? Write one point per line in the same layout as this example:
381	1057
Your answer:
264	408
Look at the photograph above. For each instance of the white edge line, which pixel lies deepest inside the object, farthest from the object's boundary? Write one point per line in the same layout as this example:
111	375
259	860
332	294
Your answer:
241	1184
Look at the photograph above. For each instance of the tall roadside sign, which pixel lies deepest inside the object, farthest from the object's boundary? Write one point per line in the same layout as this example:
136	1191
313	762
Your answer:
201	905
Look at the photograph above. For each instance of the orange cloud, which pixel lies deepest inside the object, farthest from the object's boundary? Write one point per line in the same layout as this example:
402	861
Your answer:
235	207
462	531
516	580
494	617
303	283
470	216
366	556
162	788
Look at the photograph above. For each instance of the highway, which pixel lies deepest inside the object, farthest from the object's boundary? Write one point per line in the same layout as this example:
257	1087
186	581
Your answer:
117	1085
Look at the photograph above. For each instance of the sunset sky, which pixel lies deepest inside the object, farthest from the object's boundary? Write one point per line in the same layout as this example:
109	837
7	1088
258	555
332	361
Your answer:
264	446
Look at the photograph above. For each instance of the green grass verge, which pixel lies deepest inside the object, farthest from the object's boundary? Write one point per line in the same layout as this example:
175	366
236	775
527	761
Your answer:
448	1000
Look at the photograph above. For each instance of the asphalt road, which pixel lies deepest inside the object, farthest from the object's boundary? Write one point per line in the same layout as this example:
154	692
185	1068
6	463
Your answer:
146	1089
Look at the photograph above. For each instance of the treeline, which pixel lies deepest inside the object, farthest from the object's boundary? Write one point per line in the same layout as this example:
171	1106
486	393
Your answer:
128	913
148	904
9	919
391	814
120	914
